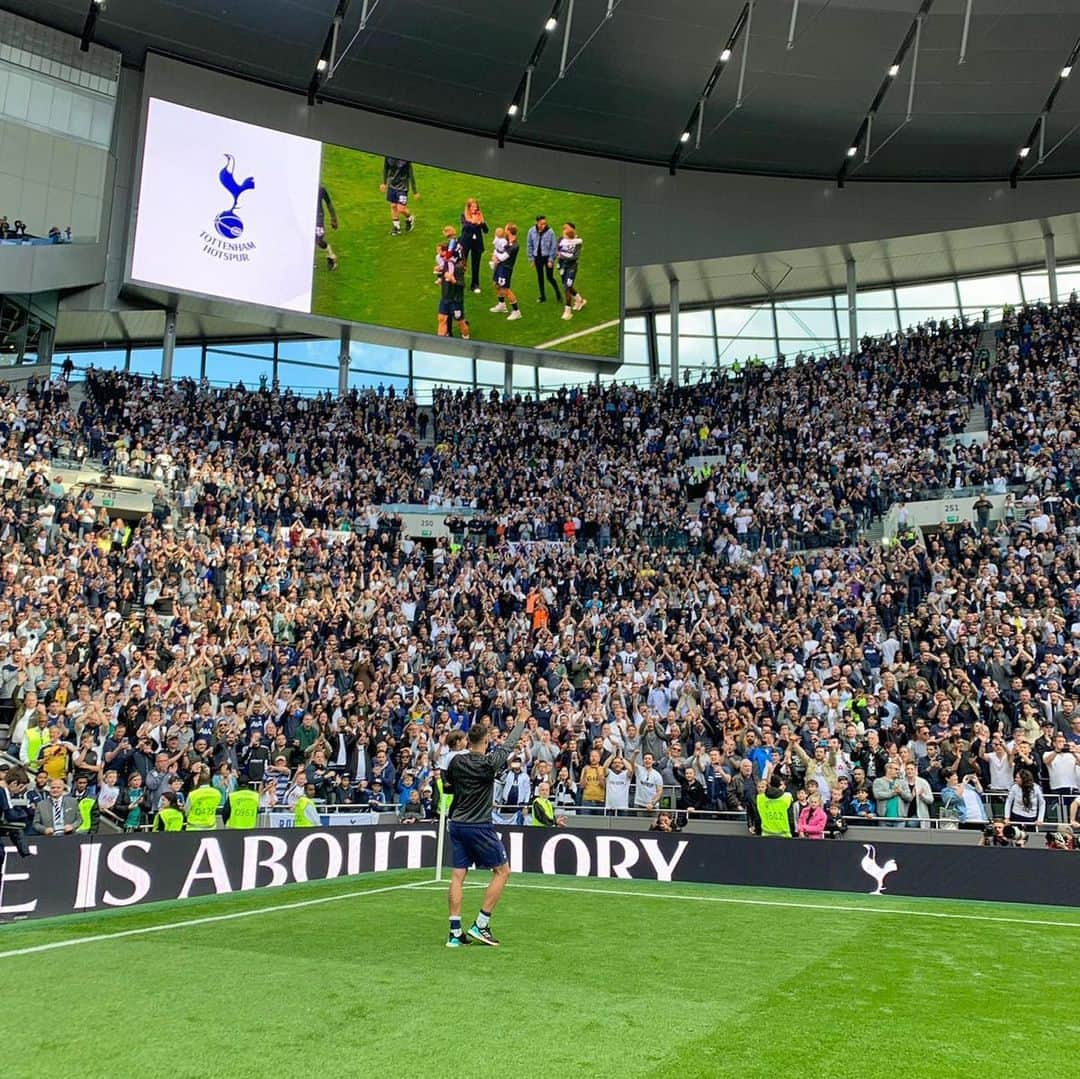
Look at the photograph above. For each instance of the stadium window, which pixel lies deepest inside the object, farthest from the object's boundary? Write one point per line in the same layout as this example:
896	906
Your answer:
695	323
992	292
525	379
1068	280
489	373
145	361
635	325
226	366
738	322
553	379
913	316
314	350
816	324
187	362
379	358
940	295
635	348
1037	287
872	322
306	378
456	370
371	380
743	349
105	360
693	351
791	347
880	299
821	302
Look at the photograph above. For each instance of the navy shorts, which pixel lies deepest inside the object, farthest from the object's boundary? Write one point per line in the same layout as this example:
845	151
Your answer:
452	309
502	276
476	844
568	273
397	196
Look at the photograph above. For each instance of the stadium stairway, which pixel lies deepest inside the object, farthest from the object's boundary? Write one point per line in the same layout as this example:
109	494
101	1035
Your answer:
429	431
977	424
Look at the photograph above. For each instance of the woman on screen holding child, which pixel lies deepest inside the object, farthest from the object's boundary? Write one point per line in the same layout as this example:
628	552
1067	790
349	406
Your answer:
473	227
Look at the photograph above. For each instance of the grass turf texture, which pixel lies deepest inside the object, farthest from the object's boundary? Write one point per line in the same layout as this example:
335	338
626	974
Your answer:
386	280
611	978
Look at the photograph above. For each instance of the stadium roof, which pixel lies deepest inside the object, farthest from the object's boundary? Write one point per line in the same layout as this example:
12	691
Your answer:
633	80
900	260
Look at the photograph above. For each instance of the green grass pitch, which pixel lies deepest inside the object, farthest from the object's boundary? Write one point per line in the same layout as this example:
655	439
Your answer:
595	978
387	280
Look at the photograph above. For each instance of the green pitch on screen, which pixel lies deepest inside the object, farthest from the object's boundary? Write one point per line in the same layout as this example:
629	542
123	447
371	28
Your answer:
387	280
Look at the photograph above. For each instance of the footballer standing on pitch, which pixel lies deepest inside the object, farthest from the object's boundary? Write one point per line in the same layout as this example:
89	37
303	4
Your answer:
470	777
397	179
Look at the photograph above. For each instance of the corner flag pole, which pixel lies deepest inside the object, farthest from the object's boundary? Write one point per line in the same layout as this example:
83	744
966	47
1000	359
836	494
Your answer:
440	843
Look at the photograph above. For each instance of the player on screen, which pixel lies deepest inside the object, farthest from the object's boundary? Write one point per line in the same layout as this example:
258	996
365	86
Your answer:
397	179
320	226
450	275
503	261
568	253
470	777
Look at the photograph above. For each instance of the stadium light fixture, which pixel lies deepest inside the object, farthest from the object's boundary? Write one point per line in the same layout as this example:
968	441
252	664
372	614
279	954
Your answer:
1066	71
1039	127
697	115
1024	151
551	24
513	110
907	53
322	65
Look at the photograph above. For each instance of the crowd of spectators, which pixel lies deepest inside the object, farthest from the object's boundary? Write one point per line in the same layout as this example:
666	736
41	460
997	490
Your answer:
268	623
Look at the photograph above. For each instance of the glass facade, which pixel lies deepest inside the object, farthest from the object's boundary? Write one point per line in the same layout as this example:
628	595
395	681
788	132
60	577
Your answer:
709	339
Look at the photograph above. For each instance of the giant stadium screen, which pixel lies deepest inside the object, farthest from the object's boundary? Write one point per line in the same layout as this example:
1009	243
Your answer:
240	212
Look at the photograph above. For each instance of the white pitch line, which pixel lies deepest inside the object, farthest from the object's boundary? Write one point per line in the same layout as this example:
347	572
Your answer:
580	333
515	884
208	920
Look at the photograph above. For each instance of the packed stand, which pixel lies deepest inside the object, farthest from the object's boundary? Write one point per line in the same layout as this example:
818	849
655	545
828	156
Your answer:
268	626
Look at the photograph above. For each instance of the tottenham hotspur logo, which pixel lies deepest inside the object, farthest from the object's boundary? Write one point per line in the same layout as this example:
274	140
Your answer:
225	243
879	872
228	223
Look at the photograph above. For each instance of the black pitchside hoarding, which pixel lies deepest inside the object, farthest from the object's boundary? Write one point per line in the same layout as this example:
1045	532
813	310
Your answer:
84	874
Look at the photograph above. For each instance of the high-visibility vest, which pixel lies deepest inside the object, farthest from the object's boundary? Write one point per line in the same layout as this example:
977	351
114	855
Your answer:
773	812
35	739
243	809
172	820
202	809
86	811
446	799
300	819
546	806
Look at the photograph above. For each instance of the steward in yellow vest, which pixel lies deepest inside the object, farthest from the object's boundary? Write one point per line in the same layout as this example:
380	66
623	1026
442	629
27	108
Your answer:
543	812
169	818
243	809
88	815
305	814
774	810
36	737
202	808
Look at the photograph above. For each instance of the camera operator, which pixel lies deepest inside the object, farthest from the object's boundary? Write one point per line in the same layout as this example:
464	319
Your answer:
1000	834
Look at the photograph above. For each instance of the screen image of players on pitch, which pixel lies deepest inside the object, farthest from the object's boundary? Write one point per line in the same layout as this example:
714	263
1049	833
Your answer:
411	247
